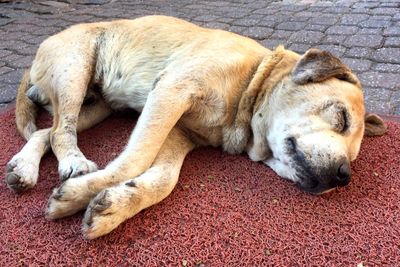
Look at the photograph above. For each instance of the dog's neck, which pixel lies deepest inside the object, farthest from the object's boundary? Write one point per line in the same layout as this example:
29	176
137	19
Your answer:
239	135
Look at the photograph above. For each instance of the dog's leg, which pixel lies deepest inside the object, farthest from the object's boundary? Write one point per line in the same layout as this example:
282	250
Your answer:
67	103
23	169
161	112
114	205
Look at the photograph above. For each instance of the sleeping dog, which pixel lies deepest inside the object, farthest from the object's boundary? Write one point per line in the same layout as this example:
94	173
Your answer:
302	115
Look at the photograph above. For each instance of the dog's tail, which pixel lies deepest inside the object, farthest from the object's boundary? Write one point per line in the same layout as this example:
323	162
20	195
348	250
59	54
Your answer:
26	110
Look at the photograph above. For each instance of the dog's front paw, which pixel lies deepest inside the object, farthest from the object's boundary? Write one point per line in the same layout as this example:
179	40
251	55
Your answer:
108	210
73	195
21	174
73	166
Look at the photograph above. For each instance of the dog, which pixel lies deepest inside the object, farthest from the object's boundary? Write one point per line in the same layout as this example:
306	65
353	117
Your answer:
302	115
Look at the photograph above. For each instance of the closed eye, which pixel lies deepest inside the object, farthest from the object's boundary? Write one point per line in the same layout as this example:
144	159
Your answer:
342	124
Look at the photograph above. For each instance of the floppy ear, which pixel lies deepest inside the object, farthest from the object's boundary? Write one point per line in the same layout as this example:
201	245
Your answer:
374	125
317	66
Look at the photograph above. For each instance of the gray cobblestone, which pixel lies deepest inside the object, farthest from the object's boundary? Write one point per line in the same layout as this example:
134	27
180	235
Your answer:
342	30
353	19
386	67
378	79
324	20
359	52
388	55
292	26
375	23
337	50
308	37
372	41
366	34
392	42
334	39
392	31
357	65
258	33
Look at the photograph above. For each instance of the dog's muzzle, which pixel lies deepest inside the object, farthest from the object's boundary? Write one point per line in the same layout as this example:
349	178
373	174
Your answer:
323	179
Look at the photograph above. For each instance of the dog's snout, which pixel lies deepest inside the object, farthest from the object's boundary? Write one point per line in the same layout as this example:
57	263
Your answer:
343	173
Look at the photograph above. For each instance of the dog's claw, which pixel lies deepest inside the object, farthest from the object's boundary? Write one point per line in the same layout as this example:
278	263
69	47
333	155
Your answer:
101	217
73	166
66	200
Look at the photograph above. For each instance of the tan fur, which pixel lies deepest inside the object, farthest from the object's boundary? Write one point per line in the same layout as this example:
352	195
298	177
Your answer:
25	112
193	87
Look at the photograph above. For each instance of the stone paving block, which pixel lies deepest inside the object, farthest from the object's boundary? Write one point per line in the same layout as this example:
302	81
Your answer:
387	67
376	31
10	36
18	62
379	99
246	22
14	45
336	50
375	23
342	30
12	77
281	34
216	25
357	65
238	29
359	52
4	53
258	33
4	70
366	5
308	37
392	41
395	100
378	79
299	48
387	55
392	31
325	20
362	40
8	92
384	11
333	39
265	11
353	19
273	43
316	27
337	10
291	26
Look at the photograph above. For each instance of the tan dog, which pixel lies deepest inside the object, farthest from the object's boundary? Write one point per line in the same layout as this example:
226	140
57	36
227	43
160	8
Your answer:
302	115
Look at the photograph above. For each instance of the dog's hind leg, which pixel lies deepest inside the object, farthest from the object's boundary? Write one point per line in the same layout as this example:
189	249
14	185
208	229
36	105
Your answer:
114	205
23	169
151	131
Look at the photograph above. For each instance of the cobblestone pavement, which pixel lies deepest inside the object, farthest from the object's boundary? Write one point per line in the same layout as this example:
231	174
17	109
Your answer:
365	34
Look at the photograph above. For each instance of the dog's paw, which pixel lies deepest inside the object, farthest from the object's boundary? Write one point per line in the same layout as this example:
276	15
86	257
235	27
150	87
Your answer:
21	174
73	195
73	166
108	210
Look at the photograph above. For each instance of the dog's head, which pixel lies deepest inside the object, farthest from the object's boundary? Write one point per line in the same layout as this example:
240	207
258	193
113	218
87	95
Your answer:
311	125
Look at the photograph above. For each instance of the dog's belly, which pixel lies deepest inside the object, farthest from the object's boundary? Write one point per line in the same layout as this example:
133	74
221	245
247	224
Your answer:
128	85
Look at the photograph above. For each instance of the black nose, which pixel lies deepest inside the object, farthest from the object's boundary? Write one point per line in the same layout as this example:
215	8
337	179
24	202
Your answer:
343	173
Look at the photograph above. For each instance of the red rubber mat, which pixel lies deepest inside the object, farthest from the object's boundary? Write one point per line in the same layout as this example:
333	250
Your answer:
225	211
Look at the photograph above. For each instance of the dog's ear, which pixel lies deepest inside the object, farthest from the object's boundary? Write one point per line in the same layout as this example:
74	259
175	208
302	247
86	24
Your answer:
317	66
374	125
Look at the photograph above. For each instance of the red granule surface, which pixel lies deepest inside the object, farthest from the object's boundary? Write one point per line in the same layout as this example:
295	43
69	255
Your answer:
225	211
